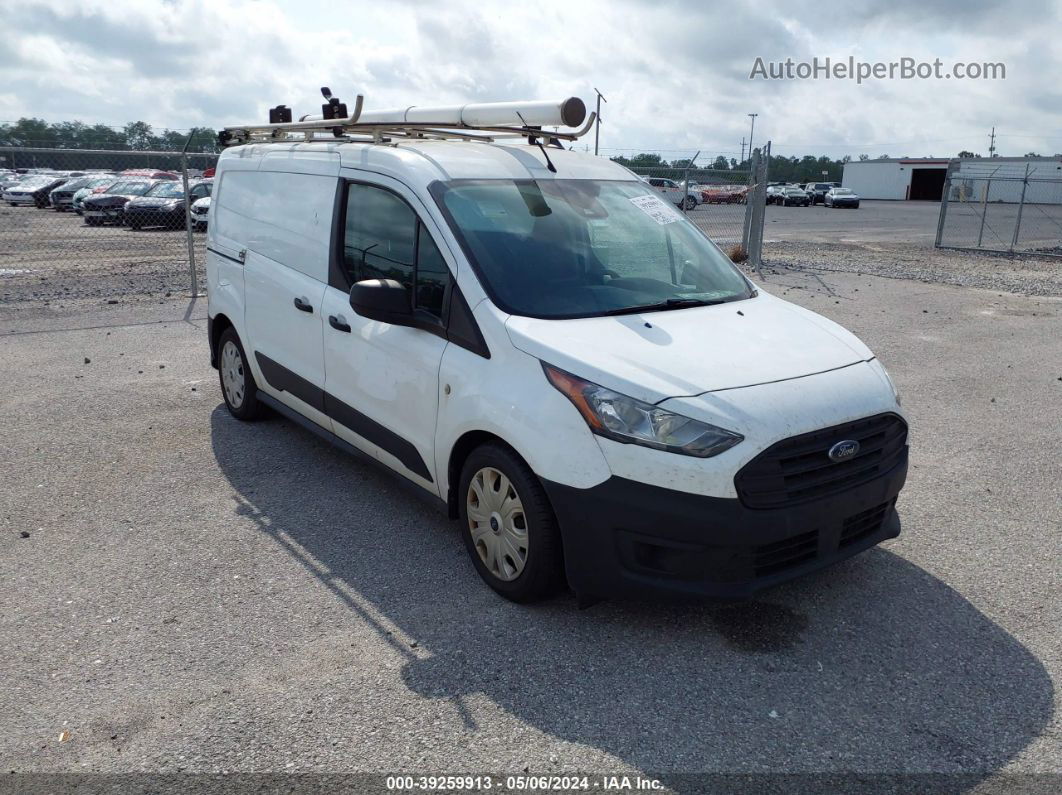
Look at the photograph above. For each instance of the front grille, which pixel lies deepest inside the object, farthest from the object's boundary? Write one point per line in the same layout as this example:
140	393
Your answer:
799	469
781	555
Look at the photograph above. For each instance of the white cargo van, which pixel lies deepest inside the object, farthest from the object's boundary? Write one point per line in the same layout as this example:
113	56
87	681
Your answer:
539	342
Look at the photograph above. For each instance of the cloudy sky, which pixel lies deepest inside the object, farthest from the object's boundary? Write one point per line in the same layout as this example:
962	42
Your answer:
676	74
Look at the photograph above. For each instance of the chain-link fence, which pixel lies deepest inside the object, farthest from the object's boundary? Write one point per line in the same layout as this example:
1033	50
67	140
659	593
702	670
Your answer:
109	224
726	204
1002	205
123	222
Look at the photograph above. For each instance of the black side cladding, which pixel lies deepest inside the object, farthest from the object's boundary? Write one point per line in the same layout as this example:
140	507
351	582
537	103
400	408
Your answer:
280	377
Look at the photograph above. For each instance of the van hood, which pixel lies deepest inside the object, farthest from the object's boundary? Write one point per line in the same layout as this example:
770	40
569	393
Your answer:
683	352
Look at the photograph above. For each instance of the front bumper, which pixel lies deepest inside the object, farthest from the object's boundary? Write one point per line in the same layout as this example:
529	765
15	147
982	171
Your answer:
625	538
105	213
154	217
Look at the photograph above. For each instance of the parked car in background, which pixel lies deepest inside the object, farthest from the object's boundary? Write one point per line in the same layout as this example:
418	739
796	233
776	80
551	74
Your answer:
110	206
774	192
792	196
841	197
681	197
200	213
62	197
723	194
149	173
164	204
94	186
33	190
817	191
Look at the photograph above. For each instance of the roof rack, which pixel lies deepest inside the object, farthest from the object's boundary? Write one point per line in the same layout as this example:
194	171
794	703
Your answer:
487	121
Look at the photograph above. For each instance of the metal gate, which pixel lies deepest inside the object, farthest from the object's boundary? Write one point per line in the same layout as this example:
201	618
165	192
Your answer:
1002	206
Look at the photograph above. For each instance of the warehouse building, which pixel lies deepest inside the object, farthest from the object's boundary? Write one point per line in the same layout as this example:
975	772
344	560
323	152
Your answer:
922	178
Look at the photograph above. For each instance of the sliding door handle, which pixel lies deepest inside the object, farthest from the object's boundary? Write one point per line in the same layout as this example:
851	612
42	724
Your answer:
338	323
303	305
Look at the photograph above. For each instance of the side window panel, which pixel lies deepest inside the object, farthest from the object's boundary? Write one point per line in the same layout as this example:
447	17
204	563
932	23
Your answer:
432	274
380	238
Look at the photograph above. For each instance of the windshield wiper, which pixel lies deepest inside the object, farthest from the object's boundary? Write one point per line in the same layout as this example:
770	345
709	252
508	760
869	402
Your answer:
670	303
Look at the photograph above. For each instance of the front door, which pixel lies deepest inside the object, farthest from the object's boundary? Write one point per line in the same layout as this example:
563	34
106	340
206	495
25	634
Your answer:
382	384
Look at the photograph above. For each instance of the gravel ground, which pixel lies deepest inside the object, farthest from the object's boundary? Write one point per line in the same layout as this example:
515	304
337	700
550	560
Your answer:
195	594
1022	274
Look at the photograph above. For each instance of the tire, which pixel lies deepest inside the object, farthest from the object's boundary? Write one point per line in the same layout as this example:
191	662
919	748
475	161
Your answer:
530	567
690	203
94	221
134	226
237	383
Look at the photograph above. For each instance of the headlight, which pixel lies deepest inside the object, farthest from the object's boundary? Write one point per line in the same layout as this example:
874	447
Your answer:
631	421
895	391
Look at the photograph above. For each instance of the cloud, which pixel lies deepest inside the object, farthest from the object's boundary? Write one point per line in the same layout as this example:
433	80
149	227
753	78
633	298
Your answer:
676	74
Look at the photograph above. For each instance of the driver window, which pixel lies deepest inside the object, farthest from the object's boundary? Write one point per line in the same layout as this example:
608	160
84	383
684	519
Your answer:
384	239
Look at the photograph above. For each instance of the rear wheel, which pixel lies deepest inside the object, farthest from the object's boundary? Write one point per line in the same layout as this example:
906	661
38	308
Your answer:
508	525
237	383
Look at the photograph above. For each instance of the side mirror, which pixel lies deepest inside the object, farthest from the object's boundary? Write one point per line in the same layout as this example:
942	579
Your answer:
382	299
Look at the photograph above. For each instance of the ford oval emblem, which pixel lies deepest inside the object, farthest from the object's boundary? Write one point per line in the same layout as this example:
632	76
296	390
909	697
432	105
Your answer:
842	451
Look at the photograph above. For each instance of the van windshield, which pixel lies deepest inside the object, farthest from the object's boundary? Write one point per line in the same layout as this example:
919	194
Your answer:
583	248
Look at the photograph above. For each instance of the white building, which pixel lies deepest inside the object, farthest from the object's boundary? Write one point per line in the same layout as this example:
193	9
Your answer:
914	178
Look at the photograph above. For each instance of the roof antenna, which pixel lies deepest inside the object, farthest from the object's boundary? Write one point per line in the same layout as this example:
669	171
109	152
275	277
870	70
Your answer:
534	139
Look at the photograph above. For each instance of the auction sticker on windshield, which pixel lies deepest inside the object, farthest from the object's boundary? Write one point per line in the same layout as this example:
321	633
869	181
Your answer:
656	209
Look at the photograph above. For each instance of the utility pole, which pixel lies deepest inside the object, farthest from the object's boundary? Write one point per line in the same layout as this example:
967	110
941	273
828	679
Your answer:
742	149
992	143
753	130
597	122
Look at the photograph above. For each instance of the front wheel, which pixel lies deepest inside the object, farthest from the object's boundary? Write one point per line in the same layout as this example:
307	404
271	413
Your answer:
237	382
690	202
508	525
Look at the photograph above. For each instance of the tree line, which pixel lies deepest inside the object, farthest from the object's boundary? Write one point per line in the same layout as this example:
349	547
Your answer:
134	136
780	168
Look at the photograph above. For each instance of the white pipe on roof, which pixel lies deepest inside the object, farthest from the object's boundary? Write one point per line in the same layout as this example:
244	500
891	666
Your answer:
570	112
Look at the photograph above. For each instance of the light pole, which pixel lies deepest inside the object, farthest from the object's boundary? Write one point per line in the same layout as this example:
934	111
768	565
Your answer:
597	123
752	130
